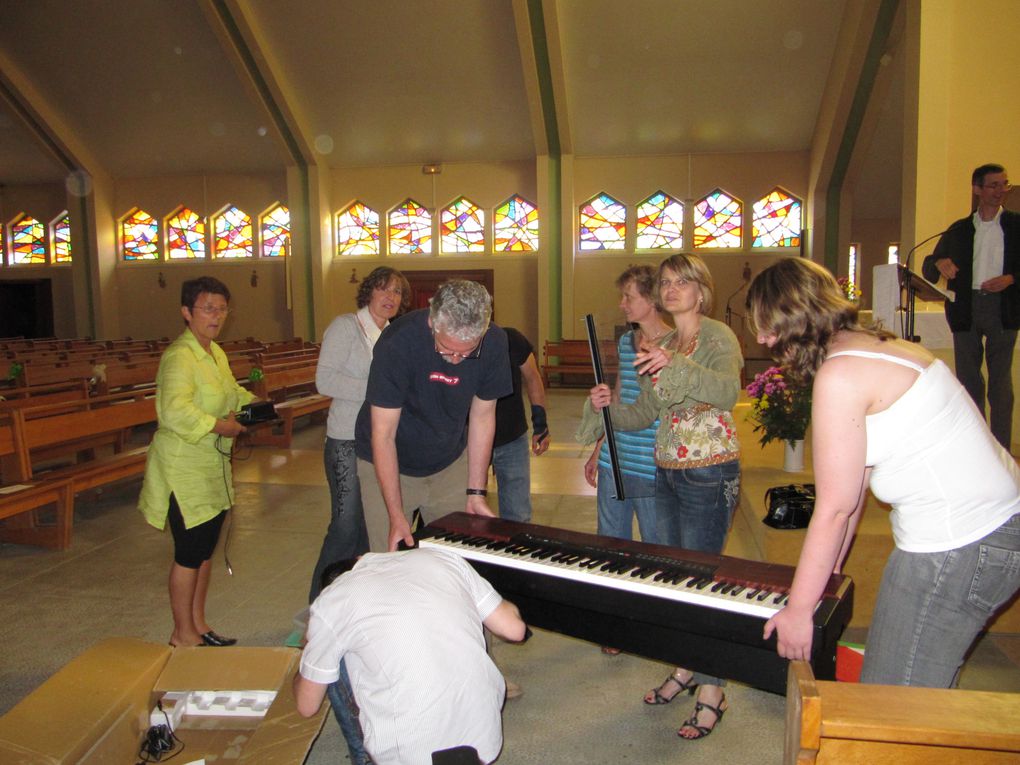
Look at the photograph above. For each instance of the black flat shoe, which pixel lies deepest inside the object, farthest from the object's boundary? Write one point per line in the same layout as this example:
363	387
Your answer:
211	638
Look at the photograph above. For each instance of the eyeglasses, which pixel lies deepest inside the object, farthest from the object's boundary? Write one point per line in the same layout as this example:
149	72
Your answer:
213	310
455	355
998	185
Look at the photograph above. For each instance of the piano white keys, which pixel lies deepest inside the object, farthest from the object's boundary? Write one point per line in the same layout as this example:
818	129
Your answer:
697	589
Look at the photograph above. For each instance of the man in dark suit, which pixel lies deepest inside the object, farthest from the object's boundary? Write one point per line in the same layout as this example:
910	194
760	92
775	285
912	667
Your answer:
980	257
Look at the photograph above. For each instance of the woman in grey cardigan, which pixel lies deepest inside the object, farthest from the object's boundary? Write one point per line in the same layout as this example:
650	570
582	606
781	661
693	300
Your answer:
342	373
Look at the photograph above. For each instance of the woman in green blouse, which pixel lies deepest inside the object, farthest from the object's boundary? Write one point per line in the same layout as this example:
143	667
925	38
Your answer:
690	381
187	475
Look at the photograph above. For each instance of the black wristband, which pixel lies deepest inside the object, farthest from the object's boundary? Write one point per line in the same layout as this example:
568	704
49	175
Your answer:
477	492
539	423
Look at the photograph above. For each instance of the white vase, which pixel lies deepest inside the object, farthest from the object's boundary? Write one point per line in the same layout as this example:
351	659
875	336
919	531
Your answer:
793	456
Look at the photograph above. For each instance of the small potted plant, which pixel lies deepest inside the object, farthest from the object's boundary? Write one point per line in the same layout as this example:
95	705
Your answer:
781	410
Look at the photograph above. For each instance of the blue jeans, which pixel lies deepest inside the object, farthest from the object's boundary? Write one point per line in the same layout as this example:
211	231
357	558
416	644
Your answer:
512	465
346	536
346	711
931	607
695	509
616	516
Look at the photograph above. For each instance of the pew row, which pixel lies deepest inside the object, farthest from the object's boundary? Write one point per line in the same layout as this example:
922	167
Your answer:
291	387
853	724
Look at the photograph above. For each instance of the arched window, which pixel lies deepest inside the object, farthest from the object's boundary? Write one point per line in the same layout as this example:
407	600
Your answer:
28	241
139	236
410	229
185	235
515	226
603	224
660	223
232	229
776	220
275	229
357	230
718	221
462	227
60	236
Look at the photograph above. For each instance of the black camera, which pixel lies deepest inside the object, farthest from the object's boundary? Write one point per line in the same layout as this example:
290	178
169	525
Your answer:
261	411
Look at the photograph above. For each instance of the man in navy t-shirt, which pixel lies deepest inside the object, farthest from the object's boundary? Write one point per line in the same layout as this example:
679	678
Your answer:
424	434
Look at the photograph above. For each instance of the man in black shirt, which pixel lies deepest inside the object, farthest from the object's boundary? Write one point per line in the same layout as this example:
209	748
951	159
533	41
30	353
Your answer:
424	434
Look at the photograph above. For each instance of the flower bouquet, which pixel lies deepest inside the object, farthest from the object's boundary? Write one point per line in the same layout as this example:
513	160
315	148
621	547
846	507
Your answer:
780	410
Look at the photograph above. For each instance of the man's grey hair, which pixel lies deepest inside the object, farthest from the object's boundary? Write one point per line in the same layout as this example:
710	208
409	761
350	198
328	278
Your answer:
461	309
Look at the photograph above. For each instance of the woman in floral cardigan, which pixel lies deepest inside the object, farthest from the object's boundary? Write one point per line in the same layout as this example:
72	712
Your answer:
691	384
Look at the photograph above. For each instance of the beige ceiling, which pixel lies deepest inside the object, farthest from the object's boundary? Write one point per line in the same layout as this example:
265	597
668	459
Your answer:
156	87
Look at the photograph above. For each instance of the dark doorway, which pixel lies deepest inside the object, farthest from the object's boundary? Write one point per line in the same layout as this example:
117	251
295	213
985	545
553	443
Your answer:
425	283
26	308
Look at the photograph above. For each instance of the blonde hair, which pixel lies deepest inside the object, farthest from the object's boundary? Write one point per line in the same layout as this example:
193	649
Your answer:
693	269
803	305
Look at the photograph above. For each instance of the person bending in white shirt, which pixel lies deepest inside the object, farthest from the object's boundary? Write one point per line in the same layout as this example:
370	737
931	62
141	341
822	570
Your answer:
409	628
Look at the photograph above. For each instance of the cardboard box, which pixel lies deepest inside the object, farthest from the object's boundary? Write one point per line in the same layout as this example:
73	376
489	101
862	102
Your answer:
96	709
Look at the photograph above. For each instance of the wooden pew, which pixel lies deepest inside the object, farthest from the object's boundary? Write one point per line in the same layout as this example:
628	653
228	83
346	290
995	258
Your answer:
573	358
291	388
854	724
118	376
44	432
44	374
28	433
19	511
29	398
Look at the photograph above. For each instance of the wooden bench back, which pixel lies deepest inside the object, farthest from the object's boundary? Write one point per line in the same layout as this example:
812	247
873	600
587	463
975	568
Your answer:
44	374
830	722
285	379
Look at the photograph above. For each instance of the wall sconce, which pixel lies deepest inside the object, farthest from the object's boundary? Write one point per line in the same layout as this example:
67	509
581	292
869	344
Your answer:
354	276
432	168
161	280
254	278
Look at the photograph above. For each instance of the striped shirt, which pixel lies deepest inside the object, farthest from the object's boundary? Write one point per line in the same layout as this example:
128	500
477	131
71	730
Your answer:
634	448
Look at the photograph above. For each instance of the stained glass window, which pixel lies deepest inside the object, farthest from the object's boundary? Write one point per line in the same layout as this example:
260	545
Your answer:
233	234
410	229
660	222
276	232
185	235
515	226
603	224
462	227
357	230
28	241
717	221
139	237
60	235
775	220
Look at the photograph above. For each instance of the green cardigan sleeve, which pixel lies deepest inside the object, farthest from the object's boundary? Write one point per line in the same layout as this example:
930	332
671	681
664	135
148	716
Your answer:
710	376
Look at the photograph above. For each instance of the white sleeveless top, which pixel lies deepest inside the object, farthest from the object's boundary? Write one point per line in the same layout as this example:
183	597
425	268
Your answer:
935	461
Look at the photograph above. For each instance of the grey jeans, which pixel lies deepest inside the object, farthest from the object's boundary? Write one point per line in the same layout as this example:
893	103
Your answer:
988	342
931	607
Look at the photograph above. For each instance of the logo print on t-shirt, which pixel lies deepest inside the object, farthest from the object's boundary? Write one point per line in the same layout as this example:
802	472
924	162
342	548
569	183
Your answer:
440	377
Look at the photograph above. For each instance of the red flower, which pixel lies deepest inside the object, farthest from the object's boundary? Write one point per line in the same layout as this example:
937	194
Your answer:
681	452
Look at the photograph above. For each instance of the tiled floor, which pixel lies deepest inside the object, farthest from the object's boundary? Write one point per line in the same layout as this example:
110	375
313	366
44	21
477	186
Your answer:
579	706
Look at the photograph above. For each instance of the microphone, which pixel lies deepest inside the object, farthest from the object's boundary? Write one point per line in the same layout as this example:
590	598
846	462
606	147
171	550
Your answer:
910	252
746	275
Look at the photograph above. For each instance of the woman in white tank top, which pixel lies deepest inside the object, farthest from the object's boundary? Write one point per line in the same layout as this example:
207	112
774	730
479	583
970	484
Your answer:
886	412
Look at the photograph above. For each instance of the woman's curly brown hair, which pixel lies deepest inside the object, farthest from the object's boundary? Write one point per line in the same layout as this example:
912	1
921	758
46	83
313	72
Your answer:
379	279
801	303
